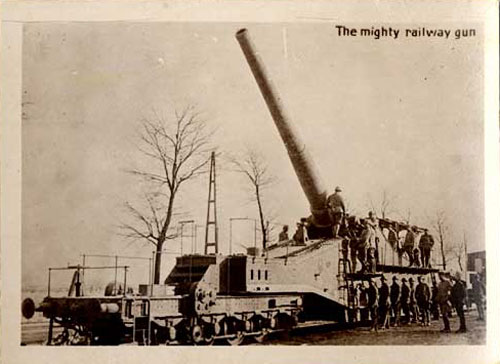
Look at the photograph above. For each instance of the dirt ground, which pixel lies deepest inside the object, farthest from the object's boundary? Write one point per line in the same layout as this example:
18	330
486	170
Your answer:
413	334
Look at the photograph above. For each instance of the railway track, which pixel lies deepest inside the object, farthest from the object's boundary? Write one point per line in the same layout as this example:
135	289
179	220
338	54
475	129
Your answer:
35	333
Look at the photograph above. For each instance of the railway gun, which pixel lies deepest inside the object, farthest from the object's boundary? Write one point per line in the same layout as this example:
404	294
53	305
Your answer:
213	297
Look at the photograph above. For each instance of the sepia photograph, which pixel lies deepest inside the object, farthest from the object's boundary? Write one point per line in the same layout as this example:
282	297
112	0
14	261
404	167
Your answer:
219	180
198	184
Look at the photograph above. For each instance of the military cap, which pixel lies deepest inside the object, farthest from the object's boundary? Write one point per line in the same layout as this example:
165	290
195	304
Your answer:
382	278
411	279
338	189
395	278
404	280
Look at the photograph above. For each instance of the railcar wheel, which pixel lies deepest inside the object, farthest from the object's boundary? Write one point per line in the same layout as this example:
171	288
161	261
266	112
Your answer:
197	335
209	334
262	336
62	339
234	329
237	339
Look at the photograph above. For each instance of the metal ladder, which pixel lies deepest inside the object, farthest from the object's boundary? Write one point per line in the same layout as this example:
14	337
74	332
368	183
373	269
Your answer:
345	284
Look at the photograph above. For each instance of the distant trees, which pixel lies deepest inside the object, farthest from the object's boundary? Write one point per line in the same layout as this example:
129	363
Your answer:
441	228
384	206
253	166
177	149
459	251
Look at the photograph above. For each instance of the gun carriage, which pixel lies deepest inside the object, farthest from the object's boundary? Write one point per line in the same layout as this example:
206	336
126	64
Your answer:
227	297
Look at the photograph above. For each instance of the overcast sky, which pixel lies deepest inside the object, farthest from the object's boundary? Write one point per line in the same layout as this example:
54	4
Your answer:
405	116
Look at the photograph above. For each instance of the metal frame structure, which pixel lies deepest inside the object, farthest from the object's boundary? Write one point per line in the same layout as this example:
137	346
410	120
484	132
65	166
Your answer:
212	203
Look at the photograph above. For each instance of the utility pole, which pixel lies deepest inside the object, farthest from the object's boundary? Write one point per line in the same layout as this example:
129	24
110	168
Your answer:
212	205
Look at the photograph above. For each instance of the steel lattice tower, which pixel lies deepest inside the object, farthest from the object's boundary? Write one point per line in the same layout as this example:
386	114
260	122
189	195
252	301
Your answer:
212	205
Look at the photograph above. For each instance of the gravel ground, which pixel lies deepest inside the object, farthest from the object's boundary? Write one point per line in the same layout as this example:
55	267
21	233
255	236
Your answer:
405	335
36	332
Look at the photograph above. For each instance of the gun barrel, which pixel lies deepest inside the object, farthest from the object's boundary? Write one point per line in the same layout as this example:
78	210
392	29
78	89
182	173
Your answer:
304	166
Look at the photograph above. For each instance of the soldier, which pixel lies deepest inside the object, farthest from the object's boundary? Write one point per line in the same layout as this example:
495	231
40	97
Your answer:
353	233
416	257
300	236
395	300
478	291
373	304
384	303
283	236
363	302
425	245
336	207
458	292
423	295
442	297
393	239
405	298
434	302
371	261
392	236
409	244
372	225
412	302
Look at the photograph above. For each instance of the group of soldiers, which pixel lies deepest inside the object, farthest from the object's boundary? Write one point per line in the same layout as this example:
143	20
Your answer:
407	303
362	237
385	304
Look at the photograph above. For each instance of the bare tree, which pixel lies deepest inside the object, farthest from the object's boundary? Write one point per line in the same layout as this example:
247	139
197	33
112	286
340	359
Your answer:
385	205
178	149
460	253
440	226
253	166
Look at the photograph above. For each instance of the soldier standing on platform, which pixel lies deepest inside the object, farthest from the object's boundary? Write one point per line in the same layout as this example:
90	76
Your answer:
425	245
409	244
393	239
283	236
353	233
372	225
373	304
416	257
336	207
395	300
371	261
